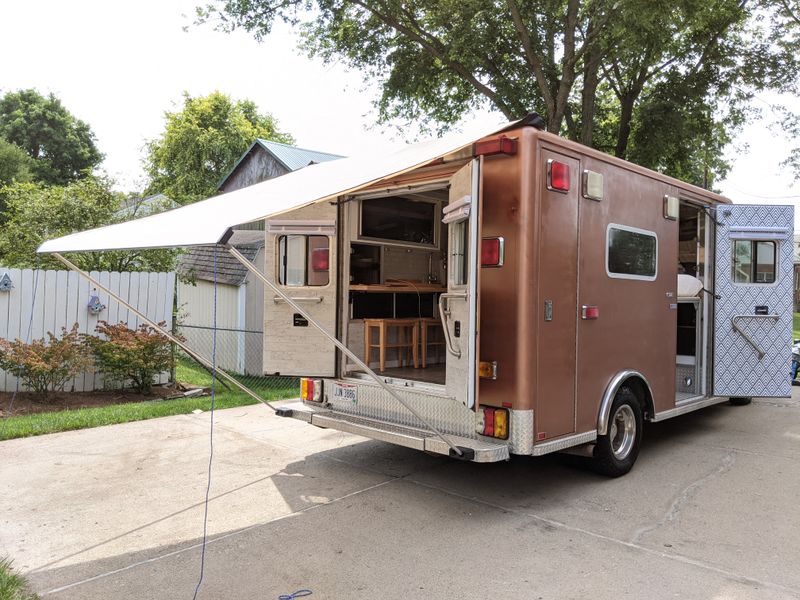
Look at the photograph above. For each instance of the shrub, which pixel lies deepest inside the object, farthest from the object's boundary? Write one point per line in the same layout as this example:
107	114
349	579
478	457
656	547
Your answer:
130	355
45	365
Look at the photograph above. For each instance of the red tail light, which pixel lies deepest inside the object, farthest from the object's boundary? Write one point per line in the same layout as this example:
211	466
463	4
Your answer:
493	422
310	389
558	175
492	251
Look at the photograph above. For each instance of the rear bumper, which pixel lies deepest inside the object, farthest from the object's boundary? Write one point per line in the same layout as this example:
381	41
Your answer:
410	437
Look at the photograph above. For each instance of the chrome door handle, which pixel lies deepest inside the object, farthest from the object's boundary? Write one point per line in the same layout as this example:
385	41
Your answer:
444	314
315	299
746	336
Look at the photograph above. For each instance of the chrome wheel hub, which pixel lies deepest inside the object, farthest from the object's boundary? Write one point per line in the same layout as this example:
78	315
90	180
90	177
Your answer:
623	432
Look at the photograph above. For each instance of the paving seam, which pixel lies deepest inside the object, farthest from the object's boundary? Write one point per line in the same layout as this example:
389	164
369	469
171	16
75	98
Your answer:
630	545
212	541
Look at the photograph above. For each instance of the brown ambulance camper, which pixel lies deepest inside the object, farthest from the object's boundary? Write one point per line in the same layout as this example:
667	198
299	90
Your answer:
501	293
530	295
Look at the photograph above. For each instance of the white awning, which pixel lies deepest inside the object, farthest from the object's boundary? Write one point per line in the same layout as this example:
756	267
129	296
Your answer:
208	221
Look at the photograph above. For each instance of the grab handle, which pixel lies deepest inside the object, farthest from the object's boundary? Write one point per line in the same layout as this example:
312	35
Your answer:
444	315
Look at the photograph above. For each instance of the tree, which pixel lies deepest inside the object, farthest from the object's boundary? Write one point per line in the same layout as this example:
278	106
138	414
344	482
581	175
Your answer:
15	164
36	212
589	68
62	146
202	142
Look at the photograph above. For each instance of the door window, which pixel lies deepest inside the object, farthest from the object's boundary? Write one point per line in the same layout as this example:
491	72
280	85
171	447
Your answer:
459	245
303	260
754	262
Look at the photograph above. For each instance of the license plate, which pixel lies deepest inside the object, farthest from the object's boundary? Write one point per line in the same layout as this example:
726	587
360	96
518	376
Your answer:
346	391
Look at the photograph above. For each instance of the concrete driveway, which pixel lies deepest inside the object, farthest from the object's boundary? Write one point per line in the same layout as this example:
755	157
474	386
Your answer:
711	510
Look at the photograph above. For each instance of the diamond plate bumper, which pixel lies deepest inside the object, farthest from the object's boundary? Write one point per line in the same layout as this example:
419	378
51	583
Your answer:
410	437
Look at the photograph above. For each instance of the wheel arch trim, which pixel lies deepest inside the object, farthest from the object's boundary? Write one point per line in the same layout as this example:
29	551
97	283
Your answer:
612	388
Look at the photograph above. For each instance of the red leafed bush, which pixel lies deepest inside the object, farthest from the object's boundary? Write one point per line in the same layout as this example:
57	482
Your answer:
132	356
46	365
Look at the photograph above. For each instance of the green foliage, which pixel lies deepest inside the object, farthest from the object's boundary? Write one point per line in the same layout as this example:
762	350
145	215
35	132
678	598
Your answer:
35	213
12	585
614	74
63	147
201	143
130	355
15	165
47	364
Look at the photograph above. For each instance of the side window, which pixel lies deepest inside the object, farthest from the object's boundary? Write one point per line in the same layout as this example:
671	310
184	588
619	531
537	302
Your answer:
459	242
631	253
303	260
754	262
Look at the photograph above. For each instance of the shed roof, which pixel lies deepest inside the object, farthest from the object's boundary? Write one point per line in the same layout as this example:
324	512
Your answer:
199	262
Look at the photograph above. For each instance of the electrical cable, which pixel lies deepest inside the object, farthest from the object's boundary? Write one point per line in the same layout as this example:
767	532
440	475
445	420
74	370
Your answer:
211	431
293	595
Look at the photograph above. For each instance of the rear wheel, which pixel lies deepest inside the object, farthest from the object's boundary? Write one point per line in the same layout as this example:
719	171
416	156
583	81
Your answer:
617	450
740	401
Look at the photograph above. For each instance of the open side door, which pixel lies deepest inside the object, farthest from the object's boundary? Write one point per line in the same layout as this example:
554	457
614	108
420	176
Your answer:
458	308
300	256
753	312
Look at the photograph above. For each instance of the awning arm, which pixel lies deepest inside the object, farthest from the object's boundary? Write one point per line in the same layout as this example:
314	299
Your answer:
208	365
350	354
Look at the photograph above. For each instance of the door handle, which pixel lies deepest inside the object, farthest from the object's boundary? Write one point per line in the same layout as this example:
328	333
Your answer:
746	336
315	299
444	314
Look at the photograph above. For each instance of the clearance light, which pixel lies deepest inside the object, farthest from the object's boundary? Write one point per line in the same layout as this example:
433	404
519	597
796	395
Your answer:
487	370
310	389
320	259
492	252
493	422
501	145
557	176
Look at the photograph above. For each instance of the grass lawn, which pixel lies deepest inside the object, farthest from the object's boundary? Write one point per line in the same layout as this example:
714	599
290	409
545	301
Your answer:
269	388
12	585
796	334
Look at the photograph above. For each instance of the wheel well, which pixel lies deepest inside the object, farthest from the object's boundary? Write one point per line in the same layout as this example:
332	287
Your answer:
642	392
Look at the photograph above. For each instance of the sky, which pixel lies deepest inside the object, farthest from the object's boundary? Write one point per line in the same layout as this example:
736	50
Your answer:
120	65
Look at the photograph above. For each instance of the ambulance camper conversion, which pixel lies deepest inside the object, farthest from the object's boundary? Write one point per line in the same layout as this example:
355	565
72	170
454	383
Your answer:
506	293
527	296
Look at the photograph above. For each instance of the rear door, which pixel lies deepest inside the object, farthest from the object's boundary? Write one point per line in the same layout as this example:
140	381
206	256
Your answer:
459	306
753	312
300	256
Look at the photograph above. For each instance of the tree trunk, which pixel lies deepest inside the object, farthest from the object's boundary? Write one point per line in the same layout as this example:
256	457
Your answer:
591	80
625	116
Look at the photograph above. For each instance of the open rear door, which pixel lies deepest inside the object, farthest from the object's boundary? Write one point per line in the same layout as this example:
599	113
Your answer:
459	306
300	256
753	312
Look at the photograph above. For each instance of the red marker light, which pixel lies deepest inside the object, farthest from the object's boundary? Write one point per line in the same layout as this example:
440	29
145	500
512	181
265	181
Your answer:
590	312
558	175
492	252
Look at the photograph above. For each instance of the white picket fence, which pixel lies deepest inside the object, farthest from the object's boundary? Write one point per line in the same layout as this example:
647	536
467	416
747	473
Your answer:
42	301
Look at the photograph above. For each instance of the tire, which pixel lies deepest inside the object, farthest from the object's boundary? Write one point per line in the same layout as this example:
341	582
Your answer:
615	452
740	401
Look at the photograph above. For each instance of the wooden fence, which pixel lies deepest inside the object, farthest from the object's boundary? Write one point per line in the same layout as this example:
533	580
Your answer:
42	301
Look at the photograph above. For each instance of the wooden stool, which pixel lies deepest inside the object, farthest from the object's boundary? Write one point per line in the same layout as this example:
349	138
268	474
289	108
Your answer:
425	325
403	327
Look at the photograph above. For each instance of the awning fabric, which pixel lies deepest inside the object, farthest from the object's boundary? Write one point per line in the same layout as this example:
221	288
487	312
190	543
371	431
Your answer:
208	221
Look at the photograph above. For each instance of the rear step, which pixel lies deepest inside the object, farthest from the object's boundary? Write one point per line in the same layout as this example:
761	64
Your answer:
418	439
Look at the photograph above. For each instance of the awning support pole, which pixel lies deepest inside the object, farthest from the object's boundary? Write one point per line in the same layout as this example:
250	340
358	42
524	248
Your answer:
208	365
350	354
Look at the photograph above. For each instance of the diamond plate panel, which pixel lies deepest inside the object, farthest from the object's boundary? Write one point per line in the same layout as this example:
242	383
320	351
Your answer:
521	433
738	371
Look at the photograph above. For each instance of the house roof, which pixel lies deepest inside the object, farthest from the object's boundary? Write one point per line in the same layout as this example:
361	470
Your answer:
199	262
290	157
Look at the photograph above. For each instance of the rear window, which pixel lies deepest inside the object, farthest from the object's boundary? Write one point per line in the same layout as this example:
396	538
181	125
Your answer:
303	260
631	253
754	261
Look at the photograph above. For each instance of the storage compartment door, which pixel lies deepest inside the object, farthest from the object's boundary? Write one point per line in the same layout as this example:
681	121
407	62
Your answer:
300	256
753	314
459	306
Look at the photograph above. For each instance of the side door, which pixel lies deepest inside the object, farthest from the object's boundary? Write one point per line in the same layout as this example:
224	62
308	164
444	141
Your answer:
753	312
458	307
300	256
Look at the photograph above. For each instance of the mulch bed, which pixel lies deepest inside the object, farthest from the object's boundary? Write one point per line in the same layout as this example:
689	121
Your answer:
27	402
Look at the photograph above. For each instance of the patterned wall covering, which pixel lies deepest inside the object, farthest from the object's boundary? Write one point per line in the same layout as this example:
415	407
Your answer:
738	371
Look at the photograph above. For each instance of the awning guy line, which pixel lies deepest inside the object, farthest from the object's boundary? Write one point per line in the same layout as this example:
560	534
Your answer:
350	354
163	332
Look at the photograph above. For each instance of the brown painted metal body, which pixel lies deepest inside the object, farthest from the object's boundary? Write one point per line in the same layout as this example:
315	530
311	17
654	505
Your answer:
548	358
